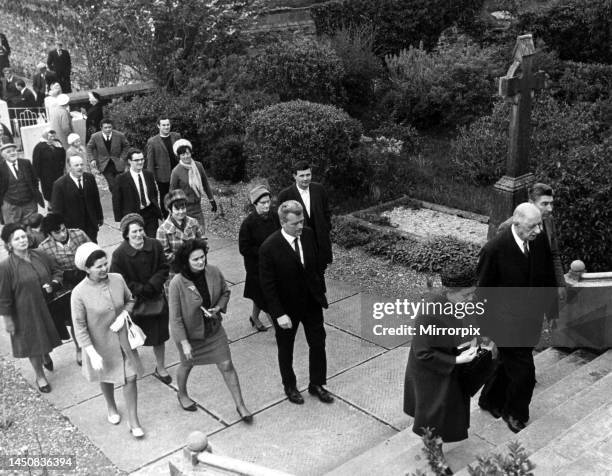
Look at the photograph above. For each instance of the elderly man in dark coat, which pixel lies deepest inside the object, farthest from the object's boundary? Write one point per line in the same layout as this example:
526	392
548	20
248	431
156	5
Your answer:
516	277
59	62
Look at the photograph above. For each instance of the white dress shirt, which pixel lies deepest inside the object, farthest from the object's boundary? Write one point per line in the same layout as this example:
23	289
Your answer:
305	194
291	240
144	184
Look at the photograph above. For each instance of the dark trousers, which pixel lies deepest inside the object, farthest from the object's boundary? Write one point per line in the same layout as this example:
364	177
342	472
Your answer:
312	320
92	232
510	388
164	188
110	174
151	220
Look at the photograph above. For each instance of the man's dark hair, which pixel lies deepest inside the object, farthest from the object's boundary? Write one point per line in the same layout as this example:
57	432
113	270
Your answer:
52	222
300	165
181	257
132	151
106	120
20	83
162	118
539	189
95	256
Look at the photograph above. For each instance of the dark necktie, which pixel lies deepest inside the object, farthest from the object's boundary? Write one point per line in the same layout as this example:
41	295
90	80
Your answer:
525	249
296	247
80	185
143	200
16	170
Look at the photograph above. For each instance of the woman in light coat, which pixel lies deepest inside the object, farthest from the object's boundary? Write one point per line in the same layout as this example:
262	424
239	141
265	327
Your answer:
100	305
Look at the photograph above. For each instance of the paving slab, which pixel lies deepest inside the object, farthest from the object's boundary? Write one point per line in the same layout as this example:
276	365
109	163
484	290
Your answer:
148	358
377	387
230	262
354	315
338	290
256	362
165	425
308	439
108	236
236	321
216	243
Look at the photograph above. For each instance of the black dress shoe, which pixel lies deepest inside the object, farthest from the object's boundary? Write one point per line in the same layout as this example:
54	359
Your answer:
294	396
245	417
44	388
496	413
321	393
260	326
48	363
514	424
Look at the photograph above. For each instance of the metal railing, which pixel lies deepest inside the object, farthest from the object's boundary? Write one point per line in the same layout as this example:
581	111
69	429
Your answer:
22	117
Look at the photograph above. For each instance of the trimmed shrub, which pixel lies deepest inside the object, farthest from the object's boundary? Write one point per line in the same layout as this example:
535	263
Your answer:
137	118
227	159
301	69
349	233
479	151
578	30
282	134
399	23
433	255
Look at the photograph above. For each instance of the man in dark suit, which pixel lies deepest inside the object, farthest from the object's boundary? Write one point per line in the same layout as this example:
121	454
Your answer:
292	284
106	150
313	198
59	62
40	83
516	281
5	52
160	158
9	86
19	194
136	192
76	197
26	98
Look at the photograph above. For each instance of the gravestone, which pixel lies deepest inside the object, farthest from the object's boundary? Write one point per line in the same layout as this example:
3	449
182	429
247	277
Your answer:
517	89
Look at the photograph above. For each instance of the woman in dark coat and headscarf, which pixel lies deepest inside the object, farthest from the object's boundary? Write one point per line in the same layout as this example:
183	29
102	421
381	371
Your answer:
255	228
432	391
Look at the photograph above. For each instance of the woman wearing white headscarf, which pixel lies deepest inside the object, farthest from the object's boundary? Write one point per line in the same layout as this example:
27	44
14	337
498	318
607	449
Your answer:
76	148
189	176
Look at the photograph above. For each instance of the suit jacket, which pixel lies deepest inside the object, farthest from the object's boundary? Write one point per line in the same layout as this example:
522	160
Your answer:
40	84
62	65
97	152
288	286
65	198
184	303
29	175
320	216
126	198
25	99
517	290
157	159
9	90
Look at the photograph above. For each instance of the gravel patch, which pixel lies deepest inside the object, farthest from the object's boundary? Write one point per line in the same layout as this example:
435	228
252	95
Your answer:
426	223
33	420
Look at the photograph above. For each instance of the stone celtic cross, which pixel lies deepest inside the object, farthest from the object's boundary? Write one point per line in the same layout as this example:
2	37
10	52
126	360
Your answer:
517	87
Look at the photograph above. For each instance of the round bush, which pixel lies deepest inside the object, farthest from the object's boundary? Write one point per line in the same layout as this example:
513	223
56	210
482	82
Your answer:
137	118
282	134
227	159
301	69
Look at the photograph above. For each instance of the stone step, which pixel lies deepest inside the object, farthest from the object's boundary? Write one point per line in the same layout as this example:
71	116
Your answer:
590	437
404	448
560	418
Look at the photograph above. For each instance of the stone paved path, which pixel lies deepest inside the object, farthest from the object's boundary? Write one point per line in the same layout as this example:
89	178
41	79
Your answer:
365	377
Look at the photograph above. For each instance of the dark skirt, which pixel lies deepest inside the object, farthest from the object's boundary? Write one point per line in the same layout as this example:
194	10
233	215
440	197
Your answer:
252	290
154	327
211	350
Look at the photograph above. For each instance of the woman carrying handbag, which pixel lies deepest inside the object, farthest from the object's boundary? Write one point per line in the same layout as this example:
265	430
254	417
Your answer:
101	305
142	263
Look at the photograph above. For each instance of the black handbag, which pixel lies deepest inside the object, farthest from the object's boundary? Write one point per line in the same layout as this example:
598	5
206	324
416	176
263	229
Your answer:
474	374
149	307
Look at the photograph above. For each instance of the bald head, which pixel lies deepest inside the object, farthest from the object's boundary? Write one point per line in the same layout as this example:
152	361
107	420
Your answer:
527	221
